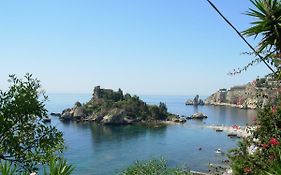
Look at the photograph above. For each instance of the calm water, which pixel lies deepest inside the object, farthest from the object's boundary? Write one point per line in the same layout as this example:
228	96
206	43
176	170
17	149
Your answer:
102	150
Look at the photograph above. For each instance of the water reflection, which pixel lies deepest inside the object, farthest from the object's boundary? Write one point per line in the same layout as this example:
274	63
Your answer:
223	115
112	133
195	109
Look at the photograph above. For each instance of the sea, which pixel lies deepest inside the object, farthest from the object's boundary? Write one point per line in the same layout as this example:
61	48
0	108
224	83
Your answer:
95	149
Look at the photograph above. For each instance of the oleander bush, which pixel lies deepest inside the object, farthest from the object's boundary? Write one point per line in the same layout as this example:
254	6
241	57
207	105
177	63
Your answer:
260	153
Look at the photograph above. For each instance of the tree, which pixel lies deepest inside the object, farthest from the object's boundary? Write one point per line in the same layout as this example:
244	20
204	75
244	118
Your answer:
156	113
260	152
163	107
265	59
25	141
267	25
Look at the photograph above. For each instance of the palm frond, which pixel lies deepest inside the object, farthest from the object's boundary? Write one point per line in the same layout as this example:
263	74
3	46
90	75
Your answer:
267	23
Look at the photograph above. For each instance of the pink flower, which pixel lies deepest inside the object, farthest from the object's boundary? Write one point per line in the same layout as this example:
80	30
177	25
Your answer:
274	109
273	141
247	170
272	157
265	146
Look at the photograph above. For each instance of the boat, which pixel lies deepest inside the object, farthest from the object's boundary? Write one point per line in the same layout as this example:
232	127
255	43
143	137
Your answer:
219	130
218	151
46	120
55	114
232	135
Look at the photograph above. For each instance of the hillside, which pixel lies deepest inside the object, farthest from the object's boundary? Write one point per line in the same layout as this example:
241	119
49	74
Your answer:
251	95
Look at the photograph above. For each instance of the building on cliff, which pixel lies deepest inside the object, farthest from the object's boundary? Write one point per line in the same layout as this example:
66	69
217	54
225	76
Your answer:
257	93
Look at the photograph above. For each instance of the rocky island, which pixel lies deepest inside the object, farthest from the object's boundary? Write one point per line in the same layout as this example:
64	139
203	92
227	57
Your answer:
259	92
197	116
113	107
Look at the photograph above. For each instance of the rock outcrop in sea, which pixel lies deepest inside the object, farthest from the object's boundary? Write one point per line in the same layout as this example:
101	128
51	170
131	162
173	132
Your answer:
249	96
198	116
112	107
196	101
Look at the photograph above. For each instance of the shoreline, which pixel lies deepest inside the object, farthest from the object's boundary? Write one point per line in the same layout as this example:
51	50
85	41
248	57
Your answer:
152	123
240	131
231	105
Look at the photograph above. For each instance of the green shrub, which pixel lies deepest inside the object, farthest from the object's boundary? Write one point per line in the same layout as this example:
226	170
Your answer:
58	167
153	167
6	168
265	143
54	167
25	140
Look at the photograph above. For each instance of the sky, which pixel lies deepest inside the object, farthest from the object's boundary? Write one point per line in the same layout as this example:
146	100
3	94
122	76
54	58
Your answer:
144	47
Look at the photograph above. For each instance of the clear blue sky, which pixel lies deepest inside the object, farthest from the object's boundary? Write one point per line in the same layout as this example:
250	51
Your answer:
162	47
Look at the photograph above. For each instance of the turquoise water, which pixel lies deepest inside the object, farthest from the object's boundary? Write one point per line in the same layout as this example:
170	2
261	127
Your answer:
102	150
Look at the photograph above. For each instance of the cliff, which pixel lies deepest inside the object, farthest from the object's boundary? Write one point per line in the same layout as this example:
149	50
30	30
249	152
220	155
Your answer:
195	102
251	95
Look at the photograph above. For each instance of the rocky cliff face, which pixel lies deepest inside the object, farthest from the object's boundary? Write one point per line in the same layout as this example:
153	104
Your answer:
254	94
196	101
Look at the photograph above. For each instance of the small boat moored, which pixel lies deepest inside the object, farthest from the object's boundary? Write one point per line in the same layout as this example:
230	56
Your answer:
218	151
219	130
46	120
232	135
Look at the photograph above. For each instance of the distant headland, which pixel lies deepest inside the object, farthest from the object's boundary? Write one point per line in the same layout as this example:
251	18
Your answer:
257	93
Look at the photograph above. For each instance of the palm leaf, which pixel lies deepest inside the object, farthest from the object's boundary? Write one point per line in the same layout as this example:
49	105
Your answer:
59	167
6	168
267	23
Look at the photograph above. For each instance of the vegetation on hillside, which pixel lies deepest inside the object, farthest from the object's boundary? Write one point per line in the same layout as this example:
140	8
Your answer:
109	102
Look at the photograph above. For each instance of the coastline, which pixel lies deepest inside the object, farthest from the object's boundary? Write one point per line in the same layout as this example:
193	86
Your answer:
240	131
151	136
231	105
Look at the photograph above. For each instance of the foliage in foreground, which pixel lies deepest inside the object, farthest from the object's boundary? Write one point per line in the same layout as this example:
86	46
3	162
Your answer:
266	27
58	167
153	167
54	167
275	168
25	141
6	168
260	153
